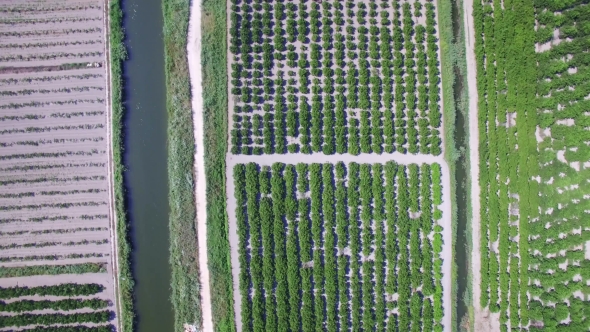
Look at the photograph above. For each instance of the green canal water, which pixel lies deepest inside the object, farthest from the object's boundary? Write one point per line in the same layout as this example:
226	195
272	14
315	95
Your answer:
463	236
146	177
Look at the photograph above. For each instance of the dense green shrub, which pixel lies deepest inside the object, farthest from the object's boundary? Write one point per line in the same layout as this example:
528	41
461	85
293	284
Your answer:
70	289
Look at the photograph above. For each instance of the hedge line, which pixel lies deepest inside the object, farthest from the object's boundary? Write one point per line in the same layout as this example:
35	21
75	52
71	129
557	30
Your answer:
70	289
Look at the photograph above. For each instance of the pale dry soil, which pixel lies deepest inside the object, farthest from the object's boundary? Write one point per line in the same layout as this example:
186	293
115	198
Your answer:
55	144
194	63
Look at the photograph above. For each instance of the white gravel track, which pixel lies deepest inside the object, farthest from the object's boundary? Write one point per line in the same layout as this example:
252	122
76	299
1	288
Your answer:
194	64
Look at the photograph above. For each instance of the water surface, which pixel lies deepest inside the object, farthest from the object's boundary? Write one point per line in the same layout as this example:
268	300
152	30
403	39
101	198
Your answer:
146	178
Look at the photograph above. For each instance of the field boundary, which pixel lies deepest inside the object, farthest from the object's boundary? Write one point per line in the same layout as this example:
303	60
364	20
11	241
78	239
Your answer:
215	110
184	260
116	54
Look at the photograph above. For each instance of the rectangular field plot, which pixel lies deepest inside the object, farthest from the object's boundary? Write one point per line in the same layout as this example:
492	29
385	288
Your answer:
55	213
334	77
534	164
338	247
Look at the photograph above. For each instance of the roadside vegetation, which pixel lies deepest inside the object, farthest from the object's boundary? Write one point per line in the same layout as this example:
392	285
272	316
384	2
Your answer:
531	70
118	54
181	146
215	113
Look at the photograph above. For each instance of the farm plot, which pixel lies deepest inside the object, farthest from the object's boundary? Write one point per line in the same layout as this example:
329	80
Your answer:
534	153
339	246
334	77
56	219
335	174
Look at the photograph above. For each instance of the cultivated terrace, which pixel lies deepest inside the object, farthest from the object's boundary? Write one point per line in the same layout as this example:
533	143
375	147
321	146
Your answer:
56	236
338	192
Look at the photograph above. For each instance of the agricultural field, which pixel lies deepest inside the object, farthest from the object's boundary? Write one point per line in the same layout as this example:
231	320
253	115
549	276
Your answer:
57	247
334	77
338	194
532	72
339	246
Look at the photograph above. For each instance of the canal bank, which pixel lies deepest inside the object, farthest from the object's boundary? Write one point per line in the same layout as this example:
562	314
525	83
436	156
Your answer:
145	151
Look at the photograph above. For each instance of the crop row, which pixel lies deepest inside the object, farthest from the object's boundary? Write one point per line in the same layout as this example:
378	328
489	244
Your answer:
65	305
57	290
49	44
51	244
50	257
379	96
54	218
25	168
76	328
48	9
48	319
48	206
377	220
21	34
67	115
50	103
48	56
33	270
46	91
69	78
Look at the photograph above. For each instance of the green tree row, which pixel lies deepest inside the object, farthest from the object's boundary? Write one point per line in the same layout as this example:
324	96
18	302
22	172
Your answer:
70	289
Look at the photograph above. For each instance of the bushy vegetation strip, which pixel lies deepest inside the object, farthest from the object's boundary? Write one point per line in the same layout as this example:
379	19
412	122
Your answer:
215	102
57	290
183	246
33	270
78	328
392	254
48	319
67	304
118	54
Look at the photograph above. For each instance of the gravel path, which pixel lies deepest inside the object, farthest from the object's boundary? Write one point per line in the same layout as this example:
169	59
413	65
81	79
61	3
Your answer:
194	64
447	253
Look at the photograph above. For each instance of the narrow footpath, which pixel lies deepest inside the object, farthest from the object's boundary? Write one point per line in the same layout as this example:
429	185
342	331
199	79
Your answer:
194	64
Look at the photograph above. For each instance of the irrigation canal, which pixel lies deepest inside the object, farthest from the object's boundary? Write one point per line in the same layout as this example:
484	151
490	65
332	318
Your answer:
146	178
463	235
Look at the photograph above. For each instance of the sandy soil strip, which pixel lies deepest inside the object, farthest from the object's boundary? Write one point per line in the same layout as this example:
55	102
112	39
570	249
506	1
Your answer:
405	159
194	64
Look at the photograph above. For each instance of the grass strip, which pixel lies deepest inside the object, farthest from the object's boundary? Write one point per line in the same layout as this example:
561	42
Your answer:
214	60
35	270
181	146
118	54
